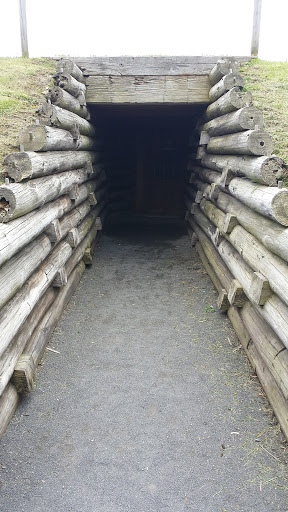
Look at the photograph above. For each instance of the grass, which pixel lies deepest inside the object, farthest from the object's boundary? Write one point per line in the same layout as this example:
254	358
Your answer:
268	82
22	82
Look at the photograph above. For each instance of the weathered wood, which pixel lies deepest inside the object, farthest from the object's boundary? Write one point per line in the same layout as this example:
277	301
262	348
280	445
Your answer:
240	329
206	174
60	278
222	68
19	232
23	30
222	301
262	169
247	118
51	115
26	165
79	252
261	259
213	213
155	66
71	85
63	99
274	395
15	312
260	289
45	138
147	89
268	232
225	84
8	405
17	345
237	266
21	198
256	28
275	312
236	294
70	67
18	269
23	375
268	345
232	100
215	260
250	142
53	231
271	202
36	346
73	218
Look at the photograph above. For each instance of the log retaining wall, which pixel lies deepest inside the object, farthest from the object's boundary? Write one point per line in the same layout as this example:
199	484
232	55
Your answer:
237	214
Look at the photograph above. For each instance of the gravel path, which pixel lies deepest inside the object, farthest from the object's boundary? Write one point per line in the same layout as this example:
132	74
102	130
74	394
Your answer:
150	404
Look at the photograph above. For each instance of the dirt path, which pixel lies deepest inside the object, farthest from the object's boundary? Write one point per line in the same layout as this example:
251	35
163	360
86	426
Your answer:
149	406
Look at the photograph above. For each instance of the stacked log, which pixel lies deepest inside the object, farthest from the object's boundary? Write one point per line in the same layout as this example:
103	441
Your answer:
51	212
237	215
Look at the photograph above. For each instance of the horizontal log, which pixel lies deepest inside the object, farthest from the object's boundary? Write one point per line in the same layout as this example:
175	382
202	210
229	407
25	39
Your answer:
273	236
147	89
222	68
26	165
180	65
51	115
275	312
79	252
71	85
213	213
73	218
70	67
15	312
8	405
237	266
17	345
46	138
262	169
261	259
63	99
232	100
225	84
250	142
271	202
18	269
270	347
269	384
224	304
247	118
206	174
20	198
214	258
36	345
19	232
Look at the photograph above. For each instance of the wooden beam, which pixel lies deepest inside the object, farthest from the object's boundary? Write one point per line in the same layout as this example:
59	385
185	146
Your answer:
23	28
156	66
147	89
256	28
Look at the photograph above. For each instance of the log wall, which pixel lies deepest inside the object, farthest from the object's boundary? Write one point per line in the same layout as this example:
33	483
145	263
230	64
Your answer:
237	216
52	206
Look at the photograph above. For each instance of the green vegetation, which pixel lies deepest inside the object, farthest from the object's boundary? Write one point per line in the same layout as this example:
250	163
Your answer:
22	82
268	82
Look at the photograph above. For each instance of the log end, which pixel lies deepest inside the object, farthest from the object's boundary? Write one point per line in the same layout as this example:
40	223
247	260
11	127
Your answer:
7	204
32	138
17	166
279	207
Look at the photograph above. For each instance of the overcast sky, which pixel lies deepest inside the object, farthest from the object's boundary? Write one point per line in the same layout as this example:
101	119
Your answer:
150	27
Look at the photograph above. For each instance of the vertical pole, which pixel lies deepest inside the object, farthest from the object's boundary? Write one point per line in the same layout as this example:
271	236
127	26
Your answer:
256	28
23	28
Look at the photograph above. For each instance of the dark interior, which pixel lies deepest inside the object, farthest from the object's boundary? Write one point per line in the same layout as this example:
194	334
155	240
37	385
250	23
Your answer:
145	152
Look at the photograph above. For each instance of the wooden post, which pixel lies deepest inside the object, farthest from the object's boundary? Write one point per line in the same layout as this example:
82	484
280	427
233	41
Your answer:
23	28
256	28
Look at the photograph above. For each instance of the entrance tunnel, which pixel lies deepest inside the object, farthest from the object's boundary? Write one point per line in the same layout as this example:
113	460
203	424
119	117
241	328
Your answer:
148	362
